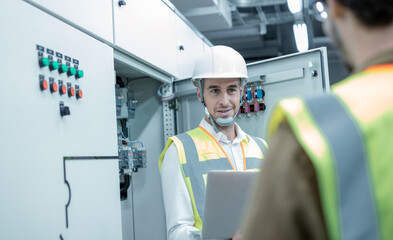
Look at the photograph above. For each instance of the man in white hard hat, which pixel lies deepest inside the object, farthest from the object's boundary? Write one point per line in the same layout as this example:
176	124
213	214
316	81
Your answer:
217	144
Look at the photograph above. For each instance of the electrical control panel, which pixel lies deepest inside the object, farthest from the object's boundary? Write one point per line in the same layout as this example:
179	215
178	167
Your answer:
286	76
60	75
59	156
253	100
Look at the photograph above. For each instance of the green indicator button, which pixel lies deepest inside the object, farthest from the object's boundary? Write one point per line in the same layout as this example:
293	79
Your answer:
64	68
54	65
44	62
80	74
71	71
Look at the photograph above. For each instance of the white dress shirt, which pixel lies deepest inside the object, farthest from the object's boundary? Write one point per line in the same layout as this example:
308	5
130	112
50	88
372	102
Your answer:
177	202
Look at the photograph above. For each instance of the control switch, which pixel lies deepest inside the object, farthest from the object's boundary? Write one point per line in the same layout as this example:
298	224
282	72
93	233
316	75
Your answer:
54	65
71	71
62	88
63	68
78	92
44	62
64	110
71	90
43	84
53	85
79	74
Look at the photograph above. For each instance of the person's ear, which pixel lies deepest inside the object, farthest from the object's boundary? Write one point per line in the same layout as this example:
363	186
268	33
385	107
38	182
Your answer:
199	94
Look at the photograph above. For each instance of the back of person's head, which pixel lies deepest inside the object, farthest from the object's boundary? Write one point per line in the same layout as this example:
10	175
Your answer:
371	13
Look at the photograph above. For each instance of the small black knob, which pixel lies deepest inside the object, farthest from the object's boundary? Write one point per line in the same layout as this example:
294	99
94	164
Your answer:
64	110
122	3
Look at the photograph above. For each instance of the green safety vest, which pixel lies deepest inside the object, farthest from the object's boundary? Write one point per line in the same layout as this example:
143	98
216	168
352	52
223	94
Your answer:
347	134
199	152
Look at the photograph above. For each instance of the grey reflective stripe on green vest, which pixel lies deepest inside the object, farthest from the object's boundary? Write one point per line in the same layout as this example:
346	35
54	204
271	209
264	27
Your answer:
196	169
261	145
356	199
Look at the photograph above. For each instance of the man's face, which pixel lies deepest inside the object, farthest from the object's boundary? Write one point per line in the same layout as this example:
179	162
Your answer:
222	96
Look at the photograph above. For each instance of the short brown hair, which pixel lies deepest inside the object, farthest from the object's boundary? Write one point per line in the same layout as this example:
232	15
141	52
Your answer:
372	13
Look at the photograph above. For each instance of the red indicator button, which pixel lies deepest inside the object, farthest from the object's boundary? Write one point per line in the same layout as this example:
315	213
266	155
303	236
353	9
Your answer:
63	89
43	84
53	87
79	94
71	91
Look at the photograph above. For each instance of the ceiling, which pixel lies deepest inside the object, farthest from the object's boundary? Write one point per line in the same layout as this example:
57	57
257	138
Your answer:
258	29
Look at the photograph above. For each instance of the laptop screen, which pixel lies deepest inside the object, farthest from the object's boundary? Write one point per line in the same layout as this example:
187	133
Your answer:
227	195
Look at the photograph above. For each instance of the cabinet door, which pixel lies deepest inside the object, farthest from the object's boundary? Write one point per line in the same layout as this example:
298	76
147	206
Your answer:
146	30
189	47
285	76
44	130
90	15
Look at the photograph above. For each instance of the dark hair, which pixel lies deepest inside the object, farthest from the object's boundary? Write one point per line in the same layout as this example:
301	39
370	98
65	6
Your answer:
372	13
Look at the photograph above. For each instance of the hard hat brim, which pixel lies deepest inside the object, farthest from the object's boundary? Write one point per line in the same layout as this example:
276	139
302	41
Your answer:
243	77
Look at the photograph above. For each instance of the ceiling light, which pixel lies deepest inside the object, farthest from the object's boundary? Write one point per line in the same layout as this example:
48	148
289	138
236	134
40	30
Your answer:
319	6
301	36
324	15
295	6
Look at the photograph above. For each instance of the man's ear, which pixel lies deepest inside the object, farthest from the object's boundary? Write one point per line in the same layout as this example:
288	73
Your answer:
336	9
199	94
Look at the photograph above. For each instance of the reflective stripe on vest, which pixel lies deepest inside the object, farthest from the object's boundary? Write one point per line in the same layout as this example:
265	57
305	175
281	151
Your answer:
261	144
203	155
356	203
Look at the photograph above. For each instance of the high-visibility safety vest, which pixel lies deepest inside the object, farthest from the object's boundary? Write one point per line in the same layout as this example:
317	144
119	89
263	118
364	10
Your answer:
347	135
199	152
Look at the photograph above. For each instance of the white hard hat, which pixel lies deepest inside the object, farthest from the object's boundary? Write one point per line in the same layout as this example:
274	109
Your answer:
220	62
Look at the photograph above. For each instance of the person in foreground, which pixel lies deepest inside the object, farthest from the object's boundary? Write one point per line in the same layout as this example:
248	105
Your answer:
329	168
217	144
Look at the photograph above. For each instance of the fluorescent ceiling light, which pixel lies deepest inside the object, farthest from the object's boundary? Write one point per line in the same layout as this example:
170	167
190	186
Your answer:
319	6
324	15
295	6
301	36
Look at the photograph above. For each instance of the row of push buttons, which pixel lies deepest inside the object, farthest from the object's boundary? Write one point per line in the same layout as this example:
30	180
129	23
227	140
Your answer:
60	87
63	68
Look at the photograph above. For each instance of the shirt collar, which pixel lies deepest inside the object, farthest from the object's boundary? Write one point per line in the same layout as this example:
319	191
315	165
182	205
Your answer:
220	137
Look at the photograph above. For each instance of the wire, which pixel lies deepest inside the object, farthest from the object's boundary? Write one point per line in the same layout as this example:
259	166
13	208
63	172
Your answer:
124	139
129	142
137	141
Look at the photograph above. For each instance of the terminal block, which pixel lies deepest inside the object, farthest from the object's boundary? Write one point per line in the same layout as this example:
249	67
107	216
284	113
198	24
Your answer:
131	159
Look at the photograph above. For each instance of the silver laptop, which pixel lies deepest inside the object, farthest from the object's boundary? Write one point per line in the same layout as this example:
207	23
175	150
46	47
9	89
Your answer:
227	194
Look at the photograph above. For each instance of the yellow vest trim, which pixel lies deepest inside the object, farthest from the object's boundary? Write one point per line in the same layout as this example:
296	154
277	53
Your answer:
314	143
